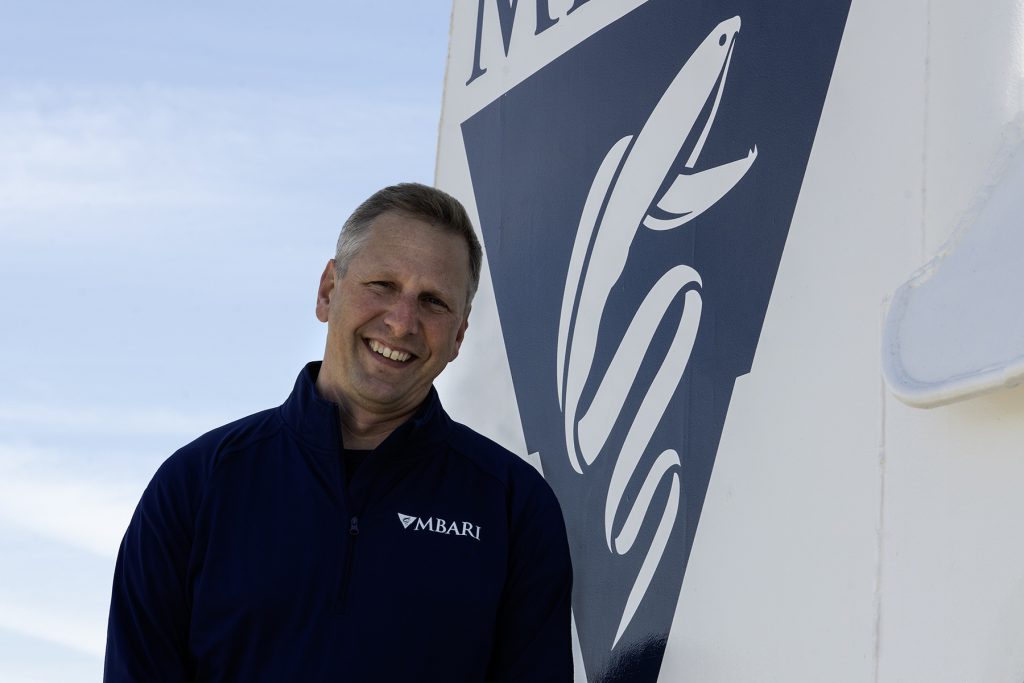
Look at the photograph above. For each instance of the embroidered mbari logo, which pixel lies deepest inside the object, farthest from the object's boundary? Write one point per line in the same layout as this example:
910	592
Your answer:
440	526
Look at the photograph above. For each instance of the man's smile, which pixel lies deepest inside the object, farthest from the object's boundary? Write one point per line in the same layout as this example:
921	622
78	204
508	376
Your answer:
388	352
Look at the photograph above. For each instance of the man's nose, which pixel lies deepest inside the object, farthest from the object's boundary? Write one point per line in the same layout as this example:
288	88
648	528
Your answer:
402	316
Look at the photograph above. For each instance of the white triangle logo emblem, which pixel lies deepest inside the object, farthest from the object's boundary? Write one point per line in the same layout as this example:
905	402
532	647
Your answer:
406	519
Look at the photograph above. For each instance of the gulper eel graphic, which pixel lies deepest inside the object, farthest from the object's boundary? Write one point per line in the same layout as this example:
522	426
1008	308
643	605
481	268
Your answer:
622	198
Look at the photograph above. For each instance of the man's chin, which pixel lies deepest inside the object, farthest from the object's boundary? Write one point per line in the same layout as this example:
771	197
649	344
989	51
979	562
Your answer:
391	399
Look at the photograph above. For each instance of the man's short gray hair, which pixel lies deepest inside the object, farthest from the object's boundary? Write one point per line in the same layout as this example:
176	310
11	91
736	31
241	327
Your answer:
428	204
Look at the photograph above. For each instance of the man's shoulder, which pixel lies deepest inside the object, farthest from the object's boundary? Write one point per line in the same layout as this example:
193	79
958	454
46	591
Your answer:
490	456
203	455
523	484
182	482
531	505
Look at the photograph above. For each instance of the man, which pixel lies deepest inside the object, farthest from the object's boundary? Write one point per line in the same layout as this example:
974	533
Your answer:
355	533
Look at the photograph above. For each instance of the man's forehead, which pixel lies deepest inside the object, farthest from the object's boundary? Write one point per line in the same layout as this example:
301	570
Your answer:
395	245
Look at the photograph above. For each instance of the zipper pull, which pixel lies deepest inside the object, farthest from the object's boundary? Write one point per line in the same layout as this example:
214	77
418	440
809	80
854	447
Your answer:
353	527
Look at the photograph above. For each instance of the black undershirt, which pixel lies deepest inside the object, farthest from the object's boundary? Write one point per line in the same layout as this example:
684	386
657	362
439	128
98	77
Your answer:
353	458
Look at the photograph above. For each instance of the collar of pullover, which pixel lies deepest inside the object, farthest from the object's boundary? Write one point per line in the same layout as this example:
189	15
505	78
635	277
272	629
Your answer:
316	421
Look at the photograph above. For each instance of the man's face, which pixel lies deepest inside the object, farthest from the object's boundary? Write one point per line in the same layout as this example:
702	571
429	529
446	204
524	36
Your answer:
395	318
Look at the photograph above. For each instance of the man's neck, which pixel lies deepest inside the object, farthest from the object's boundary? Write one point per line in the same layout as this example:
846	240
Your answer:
365	426
366	434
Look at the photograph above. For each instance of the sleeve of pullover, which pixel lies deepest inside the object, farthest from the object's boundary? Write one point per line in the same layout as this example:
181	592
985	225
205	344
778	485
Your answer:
534	634
147	632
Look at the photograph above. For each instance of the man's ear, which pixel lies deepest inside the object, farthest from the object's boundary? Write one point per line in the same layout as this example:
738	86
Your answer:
459	336
326	290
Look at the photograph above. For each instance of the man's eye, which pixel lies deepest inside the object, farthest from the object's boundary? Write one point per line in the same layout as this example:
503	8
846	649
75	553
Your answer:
435	303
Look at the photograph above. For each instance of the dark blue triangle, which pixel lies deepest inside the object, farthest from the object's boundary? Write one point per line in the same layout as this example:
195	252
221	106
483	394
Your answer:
533	155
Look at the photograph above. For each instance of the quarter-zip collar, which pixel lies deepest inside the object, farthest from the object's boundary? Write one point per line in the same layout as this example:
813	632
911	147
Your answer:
315	421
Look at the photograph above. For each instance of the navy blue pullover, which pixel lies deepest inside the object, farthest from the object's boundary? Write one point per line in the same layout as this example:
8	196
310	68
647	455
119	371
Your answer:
251	558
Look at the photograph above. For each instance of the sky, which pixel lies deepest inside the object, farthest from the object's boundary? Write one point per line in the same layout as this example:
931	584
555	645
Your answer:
172	181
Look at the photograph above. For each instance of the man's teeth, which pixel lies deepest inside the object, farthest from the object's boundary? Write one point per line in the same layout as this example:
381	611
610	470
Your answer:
387	352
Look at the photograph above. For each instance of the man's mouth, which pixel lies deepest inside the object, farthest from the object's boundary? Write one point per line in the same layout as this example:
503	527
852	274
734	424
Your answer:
388	352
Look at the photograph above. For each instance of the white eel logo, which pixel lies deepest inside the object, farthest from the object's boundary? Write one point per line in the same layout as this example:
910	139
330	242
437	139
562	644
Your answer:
619	202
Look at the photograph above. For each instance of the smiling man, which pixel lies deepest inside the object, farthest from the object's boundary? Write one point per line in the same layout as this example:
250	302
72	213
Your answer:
355	533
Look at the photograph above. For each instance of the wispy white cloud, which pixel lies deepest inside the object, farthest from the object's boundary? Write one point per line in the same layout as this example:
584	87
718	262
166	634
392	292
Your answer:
110	421
84	633
86	513
153	146
70	150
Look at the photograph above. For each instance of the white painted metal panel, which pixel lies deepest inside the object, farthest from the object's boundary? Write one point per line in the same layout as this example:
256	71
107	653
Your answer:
844	536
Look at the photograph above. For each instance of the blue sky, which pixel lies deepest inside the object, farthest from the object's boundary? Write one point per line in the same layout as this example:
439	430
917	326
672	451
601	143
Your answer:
172	180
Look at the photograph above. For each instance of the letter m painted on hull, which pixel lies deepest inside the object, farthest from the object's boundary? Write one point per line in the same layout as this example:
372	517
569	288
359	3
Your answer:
506	10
